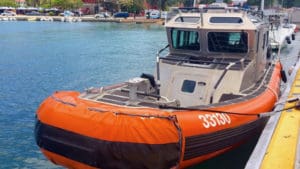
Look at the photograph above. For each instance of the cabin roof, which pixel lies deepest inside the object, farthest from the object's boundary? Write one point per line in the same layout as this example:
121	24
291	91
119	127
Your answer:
218	21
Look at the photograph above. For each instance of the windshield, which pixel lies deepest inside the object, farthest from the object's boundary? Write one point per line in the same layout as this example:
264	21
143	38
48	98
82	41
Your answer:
183	39
230	42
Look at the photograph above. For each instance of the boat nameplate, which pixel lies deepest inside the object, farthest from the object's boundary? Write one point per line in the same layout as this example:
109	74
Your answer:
214	119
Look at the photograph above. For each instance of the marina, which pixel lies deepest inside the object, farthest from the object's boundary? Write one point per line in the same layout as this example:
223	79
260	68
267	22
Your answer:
54	43
158	116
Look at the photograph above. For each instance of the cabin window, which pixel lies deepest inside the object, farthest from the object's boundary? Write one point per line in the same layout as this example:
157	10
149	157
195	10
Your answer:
228	42
182	39
188	86
226	20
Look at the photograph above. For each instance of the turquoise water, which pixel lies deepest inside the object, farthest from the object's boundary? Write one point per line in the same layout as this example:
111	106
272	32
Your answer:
38	58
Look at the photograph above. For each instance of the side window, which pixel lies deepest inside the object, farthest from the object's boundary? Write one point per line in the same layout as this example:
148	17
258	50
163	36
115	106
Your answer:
187	40
188	86
228	42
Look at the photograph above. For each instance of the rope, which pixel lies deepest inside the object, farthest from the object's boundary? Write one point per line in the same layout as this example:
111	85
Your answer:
63	102
266	114
274	92
206	110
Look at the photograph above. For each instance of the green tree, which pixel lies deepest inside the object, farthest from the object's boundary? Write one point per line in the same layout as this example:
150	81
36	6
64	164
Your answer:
287	3
67	4
46	3
133	6
268	3
153	2
297	3
33	2
11	3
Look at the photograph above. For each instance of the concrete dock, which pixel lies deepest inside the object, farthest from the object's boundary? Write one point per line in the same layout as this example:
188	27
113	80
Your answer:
279	144
282	150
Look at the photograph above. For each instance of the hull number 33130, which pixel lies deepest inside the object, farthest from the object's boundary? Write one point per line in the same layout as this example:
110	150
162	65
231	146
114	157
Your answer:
214	119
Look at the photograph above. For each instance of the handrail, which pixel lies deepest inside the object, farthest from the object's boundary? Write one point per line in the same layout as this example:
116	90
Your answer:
204	61
157	61
193	60
161	50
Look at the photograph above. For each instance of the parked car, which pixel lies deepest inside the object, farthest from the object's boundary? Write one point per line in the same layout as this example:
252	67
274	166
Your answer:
33	13
77	13
8	13
155	14
67	13
102	15
121	15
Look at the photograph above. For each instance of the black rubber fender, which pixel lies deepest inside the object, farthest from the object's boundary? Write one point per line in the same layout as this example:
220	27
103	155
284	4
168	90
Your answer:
283	76
293	37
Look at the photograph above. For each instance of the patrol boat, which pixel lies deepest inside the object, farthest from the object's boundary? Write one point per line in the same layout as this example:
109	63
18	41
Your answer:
209	94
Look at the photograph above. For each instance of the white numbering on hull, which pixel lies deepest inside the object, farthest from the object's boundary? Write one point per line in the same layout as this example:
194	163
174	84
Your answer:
214	119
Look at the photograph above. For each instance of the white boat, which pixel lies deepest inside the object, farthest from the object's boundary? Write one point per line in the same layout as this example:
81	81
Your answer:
281	31
46	19
32	19
70	19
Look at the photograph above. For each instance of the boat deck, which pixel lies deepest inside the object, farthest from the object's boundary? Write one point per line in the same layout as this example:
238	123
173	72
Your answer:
279	144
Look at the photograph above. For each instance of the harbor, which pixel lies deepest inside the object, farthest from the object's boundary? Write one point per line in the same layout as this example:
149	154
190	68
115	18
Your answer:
155	88
240	111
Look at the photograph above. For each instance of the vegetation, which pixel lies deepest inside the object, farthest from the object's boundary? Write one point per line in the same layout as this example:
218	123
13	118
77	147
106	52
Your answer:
63	4
11	3
135	6
270	3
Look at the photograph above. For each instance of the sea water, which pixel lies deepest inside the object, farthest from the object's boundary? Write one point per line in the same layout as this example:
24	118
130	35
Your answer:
39	58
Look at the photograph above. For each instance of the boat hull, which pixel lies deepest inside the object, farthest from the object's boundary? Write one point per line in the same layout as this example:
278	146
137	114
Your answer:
79	133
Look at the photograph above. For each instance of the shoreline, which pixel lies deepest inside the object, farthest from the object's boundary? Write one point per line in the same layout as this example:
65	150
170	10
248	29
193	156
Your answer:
137	20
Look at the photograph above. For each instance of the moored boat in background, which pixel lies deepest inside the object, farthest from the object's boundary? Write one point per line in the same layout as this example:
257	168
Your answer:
206	97
282	32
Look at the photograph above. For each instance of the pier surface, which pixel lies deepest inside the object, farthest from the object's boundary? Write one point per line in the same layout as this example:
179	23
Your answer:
279	144
282	149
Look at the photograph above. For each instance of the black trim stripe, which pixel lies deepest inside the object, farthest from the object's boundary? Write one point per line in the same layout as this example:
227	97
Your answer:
196	146
106	154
